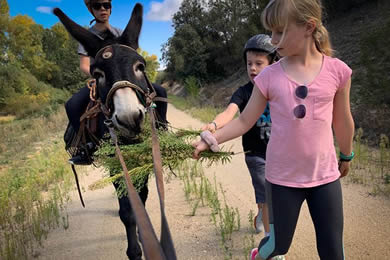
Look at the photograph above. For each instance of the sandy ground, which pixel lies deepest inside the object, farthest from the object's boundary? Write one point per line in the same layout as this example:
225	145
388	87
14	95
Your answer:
97	233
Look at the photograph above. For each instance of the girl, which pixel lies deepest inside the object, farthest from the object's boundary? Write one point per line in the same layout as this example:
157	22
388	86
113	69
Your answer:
308	93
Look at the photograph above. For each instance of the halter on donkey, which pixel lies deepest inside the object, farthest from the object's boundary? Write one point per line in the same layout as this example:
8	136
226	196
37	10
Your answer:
122	94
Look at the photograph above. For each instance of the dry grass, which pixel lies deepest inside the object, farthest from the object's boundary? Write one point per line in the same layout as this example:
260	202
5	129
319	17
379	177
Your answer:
20	137
6	119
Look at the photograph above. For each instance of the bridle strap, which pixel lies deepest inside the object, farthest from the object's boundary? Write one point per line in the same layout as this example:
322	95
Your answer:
122	84
120	45
150	97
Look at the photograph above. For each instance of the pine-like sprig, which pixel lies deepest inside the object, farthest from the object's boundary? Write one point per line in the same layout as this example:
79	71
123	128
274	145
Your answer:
175	148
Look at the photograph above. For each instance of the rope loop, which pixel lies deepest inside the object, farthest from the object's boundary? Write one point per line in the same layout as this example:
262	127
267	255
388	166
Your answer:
91	84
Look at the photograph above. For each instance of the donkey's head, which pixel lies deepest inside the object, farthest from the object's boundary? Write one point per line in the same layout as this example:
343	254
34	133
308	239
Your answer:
118	70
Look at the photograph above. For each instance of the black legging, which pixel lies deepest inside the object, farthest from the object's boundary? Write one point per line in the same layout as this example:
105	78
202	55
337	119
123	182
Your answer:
76	106
326	210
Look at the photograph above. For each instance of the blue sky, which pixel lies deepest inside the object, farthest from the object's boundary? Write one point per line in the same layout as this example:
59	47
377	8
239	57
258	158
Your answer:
156	29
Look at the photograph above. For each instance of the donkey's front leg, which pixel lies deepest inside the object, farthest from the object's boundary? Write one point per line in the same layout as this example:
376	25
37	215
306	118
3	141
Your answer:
127	216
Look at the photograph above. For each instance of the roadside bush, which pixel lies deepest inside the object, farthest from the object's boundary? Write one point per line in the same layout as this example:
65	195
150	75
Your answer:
23	95
32	196
334	7
374	58
192	86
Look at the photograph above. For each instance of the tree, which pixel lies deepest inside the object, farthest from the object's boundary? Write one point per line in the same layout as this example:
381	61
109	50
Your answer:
209	37
61	49
25	44
152	65
4	19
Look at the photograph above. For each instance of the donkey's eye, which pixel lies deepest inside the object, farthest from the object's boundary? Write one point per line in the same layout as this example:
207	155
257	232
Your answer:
140	67
97	74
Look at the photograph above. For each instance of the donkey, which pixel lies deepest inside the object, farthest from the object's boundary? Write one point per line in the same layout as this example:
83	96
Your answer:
117	69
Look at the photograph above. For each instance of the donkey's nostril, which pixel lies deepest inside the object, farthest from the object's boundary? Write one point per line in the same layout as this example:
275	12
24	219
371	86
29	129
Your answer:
140	117
119	121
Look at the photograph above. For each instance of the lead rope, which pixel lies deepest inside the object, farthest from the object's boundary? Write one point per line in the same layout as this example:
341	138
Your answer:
149	241
165	237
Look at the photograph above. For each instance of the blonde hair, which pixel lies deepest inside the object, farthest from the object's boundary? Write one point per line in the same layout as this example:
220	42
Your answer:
278	13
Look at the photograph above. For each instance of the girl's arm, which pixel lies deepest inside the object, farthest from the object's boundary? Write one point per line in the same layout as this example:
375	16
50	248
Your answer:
343	124
240	125
222	118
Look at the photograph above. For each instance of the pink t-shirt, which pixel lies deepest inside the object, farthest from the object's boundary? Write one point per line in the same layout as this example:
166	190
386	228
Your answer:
301	152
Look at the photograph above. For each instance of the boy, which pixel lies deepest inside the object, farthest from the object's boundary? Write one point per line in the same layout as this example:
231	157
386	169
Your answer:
258	53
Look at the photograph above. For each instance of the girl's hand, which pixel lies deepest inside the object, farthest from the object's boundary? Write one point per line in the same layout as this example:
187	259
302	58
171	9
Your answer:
344	168
200	146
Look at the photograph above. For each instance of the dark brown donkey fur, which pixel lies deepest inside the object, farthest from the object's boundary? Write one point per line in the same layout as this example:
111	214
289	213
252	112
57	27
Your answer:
122	64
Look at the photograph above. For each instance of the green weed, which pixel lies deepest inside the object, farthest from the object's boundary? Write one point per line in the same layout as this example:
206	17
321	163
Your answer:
199	190
34	186
371	166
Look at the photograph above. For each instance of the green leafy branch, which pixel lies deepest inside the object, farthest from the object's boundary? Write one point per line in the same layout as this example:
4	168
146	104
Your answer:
175	148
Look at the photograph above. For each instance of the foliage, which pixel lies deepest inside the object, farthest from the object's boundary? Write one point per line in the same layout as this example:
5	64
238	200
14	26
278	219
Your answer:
4	19
175	148
152	65
192	86
23	95
199	191
32	196
335	7
374	58
209	37
25	44
66	73
371	166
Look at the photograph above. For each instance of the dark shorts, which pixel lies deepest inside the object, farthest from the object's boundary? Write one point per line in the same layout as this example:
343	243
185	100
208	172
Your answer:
256	167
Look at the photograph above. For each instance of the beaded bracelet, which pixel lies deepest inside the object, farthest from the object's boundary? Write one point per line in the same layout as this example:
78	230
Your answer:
346	158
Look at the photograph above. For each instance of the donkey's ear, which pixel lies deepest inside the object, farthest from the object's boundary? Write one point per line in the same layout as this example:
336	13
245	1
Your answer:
130	35
90	41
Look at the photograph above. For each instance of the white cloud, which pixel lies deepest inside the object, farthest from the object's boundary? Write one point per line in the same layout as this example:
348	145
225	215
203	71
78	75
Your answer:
44	9
163	11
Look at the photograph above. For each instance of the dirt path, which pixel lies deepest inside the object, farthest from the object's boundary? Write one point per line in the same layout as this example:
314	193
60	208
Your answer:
97	233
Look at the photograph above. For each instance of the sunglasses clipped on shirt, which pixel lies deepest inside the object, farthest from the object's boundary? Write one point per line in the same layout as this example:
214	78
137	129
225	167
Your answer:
98	6
300	110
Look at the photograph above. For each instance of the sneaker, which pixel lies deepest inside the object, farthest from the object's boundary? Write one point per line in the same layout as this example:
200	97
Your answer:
79	160
258	222
254	253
